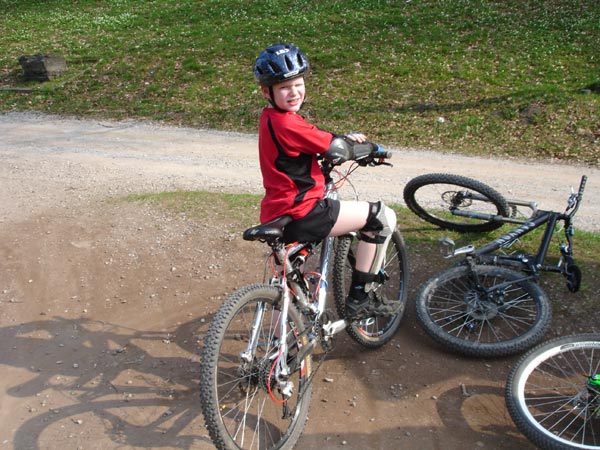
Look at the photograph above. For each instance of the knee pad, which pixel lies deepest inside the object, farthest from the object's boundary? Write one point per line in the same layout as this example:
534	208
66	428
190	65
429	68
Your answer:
382	222
381	219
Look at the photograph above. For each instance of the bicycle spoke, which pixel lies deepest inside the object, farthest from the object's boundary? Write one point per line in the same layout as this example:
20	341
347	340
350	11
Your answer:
558	399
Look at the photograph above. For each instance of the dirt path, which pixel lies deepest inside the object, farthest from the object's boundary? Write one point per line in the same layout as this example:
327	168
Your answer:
103	304
67	161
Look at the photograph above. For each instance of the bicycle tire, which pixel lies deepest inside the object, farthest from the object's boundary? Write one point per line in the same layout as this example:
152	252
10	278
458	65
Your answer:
239	412
374	331
548	396
431	196
458	315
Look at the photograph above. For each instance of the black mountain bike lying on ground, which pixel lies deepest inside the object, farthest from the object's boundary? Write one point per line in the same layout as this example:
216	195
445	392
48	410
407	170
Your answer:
267	341
553	393
458	203
483	306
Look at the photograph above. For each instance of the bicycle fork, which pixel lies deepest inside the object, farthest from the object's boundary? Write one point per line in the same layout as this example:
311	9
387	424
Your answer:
280	367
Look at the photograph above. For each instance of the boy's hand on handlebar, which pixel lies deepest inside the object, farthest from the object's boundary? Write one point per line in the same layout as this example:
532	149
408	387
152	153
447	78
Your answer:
357	137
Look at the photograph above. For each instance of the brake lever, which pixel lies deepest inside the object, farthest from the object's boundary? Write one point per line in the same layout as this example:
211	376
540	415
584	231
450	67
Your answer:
379	162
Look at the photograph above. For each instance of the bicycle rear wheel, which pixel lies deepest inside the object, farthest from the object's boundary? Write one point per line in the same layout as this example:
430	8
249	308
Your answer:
552	396
485	311
373	331
434	196
242	406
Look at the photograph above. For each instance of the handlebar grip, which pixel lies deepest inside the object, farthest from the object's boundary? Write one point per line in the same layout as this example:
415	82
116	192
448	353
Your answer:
370	150
362	150
381	153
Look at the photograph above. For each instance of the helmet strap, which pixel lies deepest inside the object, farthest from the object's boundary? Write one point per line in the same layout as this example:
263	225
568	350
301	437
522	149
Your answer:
272	101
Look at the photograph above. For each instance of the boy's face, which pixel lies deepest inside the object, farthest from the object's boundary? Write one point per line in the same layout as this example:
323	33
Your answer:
288	95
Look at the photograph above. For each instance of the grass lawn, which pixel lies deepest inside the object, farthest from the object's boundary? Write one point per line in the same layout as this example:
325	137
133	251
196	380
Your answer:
515	78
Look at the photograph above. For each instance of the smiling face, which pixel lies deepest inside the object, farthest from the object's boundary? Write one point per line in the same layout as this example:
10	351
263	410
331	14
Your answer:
287	95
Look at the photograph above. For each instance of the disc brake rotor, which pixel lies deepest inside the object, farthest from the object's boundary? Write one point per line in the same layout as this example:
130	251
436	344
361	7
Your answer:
478	308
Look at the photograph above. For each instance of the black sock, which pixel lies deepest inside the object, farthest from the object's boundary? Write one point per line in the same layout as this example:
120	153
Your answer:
357	286
358	292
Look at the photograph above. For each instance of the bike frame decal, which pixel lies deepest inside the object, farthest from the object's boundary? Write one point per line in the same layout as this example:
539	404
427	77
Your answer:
515	234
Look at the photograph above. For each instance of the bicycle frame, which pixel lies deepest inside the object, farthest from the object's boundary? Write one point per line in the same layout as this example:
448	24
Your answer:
289	280
268	339
547	218
532	263
496	218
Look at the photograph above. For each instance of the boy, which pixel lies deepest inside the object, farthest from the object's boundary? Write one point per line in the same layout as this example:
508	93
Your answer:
293	181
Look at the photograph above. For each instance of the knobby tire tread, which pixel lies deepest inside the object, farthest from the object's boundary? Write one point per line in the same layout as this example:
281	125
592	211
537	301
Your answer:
341	287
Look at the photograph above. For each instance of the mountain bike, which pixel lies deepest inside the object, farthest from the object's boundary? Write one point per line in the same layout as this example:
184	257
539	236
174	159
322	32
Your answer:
489	304
267	341
458	203
553	393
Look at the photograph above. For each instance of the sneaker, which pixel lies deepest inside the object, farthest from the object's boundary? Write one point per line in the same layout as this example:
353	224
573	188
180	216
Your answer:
370	306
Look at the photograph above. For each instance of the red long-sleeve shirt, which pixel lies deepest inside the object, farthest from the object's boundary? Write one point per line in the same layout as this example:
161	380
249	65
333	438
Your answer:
292	178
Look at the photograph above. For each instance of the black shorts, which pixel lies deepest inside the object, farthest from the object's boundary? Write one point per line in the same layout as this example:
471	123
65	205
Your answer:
316	225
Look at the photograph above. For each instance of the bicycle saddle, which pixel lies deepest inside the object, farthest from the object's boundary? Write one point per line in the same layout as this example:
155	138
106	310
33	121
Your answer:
269	230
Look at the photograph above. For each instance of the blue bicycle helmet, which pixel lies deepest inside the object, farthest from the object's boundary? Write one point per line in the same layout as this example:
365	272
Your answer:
280	62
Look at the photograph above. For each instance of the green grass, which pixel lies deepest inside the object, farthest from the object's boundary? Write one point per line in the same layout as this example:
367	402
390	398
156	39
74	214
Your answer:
389	68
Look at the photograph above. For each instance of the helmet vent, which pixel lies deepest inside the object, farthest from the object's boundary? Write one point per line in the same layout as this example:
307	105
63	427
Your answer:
288	63
274	67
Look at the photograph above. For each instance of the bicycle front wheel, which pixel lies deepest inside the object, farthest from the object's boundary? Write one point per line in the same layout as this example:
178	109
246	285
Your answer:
553	393
240	400
373	331
484	311
439	197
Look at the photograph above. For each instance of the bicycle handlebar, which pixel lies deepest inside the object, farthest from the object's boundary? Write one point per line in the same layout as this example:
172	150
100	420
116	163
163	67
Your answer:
363	154
582	186
575	198
369	153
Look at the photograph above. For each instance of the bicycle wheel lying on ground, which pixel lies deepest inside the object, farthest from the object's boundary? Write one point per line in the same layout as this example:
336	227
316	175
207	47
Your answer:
373	331
485	311
433	197
242	407
553	393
